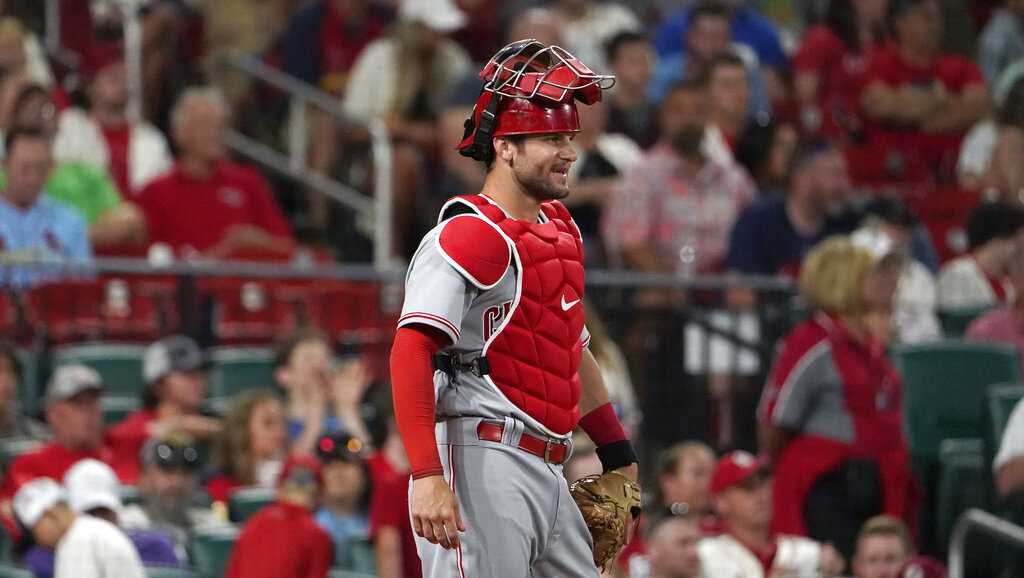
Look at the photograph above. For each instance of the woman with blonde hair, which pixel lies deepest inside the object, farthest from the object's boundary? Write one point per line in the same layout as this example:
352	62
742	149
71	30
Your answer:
830	415
252	446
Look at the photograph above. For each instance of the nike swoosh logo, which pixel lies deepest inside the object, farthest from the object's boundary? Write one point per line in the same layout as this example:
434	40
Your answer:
568	306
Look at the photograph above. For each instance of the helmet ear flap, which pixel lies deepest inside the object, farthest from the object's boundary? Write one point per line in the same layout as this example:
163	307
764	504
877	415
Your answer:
475	150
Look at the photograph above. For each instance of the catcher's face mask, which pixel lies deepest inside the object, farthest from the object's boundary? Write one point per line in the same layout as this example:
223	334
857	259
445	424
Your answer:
529	89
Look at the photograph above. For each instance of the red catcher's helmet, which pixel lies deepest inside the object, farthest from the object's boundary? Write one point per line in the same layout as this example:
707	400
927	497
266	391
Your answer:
529	88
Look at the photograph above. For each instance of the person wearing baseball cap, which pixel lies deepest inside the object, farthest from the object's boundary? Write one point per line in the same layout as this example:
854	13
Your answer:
284	539
76	419
174	372
741	487
345	504
84	546
169	500
92	489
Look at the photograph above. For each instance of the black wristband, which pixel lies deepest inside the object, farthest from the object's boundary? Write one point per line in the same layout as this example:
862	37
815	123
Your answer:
616	455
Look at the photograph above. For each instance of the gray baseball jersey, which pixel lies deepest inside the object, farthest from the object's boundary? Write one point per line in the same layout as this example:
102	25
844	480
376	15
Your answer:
520	519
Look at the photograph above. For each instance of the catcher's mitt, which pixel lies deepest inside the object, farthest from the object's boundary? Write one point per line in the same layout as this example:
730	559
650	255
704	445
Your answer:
608	503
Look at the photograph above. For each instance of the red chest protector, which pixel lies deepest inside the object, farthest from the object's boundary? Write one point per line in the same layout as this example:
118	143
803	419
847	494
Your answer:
534	354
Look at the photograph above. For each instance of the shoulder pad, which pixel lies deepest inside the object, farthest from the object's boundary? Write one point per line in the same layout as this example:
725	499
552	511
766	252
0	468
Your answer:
475	248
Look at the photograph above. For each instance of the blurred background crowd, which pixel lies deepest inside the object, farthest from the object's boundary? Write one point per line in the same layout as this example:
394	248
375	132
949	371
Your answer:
804	231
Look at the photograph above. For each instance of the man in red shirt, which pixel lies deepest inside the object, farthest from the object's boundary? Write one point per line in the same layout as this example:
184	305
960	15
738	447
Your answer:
206	205
174	371
283	539
76	419
918	100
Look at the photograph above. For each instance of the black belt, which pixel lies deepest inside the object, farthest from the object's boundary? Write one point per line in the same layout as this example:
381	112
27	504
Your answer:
450	363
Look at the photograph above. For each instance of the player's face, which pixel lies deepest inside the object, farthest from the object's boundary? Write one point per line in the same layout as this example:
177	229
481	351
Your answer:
540	164
879	557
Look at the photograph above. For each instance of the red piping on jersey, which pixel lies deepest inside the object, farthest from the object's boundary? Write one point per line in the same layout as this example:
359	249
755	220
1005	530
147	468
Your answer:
451	482
412	385
431	317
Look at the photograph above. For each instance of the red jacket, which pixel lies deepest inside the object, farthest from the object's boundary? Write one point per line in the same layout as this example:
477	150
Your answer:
818	355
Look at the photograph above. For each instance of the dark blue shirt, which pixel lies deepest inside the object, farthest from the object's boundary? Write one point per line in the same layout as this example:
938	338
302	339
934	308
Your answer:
764	242
748	27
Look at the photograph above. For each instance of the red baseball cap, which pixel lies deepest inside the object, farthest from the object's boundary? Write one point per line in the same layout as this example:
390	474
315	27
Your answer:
922	567
301	469
735	468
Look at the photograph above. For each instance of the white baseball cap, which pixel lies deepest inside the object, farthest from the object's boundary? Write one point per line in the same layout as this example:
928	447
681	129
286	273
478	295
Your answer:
174	353
91	484
442	16
35	498
70	380
875	241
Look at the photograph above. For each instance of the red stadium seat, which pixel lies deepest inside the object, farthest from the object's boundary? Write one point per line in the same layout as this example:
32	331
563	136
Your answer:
123	308
245	311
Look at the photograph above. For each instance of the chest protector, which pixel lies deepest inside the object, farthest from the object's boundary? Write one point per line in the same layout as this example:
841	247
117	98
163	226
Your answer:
533	354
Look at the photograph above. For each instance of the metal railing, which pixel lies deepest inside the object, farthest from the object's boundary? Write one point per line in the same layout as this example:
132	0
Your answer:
373	214
975	519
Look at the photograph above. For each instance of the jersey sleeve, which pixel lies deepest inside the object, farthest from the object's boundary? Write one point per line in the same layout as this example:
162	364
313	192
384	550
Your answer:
800	374
435	293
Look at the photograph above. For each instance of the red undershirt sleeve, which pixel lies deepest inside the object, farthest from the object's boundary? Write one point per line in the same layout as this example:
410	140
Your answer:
412	383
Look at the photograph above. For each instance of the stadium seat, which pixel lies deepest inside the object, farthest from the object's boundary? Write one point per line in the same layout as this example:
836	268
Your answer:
169	572
234	370
944	387
364	560
245	502
964	483
244	311
14	447
1002	398
211	550
956	321
116	408
120	364
28	387
9	571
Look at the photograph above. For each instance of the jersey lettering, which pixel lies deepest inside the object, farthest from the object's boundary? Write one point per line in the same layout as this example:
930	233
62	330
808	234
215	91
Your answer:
493	316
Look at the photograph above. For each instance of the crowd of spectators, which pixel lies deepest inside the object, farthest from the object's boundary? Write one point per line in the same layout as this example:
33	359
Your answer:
821	148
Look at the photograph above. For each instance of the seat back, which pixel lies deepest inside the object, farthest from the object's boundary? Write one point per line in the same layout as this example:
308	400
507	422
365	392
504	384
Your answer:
1002	399
234	370
211	550
11	571
119	364
245	502
169	572
956	321
28	387
944	387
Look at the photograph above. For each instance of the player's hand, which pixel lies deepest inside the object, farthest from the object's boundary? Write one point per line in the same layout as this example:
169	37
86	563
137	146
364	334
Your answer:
832	562
435	512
